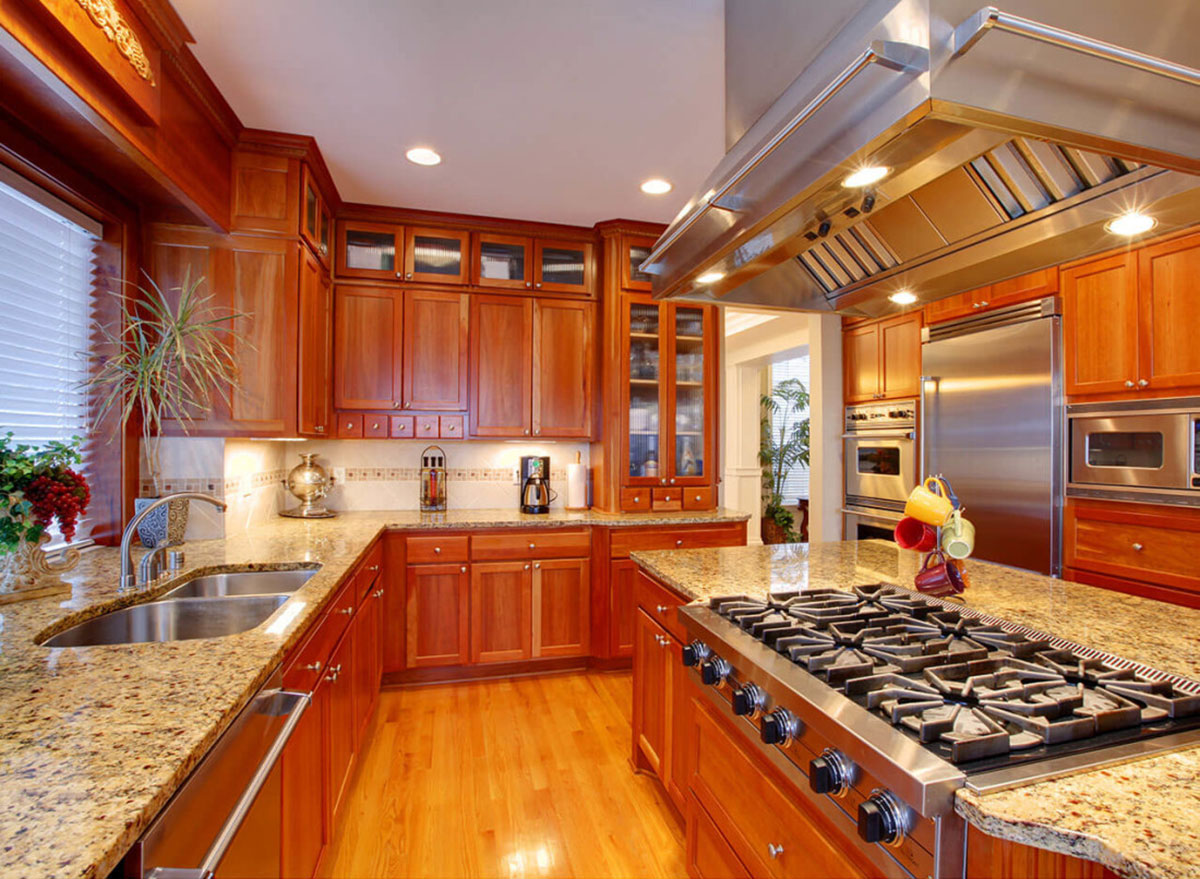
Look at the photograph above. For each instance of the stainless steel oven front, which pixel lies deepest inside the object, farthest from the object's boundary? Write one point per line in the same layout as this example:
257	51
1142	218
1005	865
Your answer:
1140	449
867	523
880	454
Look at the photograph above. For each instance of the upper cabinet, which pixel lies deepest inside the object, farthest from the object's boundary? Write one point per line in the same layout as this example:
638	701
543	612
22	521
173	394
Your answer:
315	348
367	342
370	250
1034	285
436	255
634	250
562	368
1169	313
562	266
881	360
504	261
435	350
316	220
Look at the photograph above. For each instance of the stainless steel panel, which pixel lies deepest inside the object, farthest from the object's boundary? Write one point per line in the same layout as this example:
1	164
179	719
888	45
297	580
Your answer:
864	523
1174	470
993	426
881	448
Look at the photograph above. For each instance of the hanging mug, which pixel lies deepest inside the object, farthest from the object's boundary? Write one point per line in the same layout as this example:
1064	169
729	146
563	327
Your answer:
958	536
914	534
939	576
933	507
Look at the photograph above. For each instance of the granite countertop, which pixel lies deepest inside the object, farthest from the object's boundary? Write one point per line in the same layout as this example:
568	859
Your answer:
1141	818
94	740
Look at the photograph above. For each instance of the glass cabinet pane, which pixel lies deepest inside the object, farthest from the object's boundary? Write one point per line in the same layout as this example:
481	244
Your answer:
563	266
689	392
437	256
326	229
644	375
370	250
310	210
637	255
499	261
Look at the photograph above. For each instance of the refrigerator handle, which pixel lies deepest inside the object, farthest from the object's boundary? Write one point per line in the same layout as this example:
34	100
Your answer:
921	430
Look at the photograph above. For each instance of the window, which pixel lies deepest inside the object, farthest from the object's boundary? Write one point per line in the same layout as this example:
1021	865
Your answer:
46	250
795	487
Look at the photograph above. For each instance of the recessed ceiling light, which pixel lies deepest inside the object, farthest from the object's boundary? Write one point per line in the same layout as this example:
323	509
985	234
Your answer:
656	186
1130	223
710	277
903	297
866	176
423	156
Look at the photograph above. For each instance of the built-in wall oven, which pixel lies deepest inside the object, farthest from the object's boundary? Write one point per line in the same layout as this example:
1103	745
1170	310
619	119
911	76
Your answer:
880	457
1144	450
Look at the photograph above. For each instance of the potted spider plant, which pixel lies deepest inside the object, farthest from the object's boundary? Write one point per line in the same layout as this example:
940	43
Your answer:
164	358
780	450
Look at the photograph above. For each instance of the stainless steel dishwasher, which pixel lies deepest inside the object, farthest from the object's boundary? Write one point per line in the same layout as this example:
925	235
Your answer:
225	819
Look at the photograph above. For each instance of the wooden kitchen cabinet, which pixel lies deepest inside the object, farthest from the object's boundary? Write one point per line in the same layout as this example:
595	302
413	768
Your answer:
503	261
562	266
436	256
436	610
366	635
708	854
315	311
634	249
622	577
562	593
1100	325
1013	291
1169	314
992	858
881	360
562	368
501	366
373	251
860	363
368	340
306	819
342	727
435	350
501	611
651	694
316	219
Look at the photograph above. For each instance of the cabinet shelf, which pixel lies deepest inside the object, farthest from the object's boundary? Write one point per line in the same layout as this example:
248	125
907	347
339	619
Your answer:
685	338
643	433
689	433
679	384
634	335
643	381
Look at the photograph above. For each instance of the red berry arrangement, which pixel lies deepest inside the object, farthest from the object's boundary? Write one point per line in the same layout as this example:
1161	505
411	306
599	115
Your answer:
63	496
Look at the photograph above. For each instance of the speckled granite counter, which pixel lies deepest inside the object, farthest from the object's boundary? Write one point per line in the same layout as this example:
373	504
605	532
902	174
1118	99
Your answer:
94	740
1140	819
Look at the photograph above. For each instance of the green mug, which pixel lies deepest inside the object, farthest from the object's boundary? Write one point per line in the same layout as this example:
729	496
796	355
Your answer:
958	536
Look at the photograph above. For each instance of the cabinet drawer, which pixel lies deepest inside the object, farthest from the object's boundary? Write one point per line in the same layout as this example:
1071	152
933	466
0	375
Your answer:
427	426
635	499
349	426
659	603
307	663
627	540
402	427
450	426
537	544
435	550
708	854
375	426
668	499
700	498
1154	547
369	570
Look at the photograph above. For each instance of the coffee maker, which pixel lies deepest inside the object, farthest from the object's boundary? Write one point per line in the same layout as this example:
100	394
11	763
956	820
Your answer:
535	484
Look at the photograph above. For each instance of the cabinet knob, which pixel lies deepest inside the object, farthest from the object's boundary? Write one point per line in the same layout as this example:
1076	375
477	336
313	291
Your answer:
463	569
661	608
983	304
537	432
375	426
672	481
527	567
680	541
399	274
538	285
974	304
396	404
697	498
533	546
408	276
320	428
528	283
637	498
451	428
1137	547
373	568
312	666
346	610
379	593
663	481
1142	383
667	498
776	850
526	431
1129	383
537	566
437	550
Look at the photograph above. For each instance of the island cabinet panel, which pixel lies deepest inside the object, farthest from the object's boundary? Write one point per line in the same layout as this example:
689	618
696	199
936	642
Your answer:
435	350
1169	308
992	858
367	344
306	819
651	688
342	725
315	348
1100	325
501	611
562	368
501	365
437	613
562	590
708	854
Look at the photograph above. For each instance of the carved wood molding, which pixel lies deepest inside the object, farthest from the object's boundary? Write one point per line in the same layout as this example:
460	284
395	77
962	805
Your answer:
105	15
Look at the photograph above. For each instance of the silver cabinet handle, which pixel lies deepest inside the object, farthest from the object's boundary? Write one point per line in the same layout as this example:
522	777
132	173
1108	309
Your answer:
528	284
320	428
979	23
637	498
538	285
346	610
312	666
697	498
1137	547
332	676
672	481
1142	383
378	593
663	481
533	546
678	542
437	550
527	567
373	568
526	431
1129	383
774	850
537	566
662	608
408	276
396	404
983	304
463	569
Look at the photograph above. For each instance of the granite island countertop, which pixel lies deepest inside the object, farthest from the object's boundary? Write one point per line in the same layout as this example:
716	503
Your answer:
1140	819
94	740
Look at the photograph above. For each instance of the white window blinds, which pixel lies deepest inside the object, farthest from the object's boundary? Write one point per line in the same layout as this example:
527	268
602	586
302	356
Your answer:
46	251
795	486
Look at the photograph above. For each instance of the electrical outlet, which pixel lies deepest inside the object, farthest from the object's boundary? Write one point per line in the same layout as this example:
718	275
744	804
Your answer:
339	474
517	475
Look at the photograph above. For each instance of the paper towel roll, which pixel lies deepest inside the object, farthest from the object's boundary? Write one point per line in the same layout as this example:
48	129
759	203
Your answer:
576	486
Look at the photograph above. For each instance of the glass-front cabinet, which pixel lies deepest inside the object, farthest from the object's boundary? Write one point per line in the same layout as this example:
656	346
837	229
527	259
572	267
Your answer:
670	389
503	261
437	255
562	266
370	250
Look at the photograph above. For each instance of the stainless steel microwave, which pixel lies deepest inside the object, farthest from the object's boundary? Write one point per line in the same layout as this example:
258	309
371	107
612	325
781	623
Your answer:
1136	448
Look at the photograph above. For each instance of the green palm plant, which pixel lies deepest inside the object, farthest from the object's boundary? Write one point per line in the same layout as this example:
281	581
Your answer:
783	448
163	357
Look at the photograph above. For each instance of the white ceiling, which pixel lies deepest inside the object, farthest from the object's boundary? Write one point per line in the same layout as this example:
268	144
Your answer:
552	110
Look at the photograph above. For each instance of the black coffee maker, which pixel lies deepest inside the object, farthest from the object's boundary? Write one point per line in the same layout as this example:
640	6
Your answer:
535	484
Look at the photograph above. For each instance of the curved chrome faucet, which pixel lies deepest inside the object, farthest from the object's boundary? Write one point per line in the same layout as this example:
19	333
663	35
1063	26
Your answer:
127	579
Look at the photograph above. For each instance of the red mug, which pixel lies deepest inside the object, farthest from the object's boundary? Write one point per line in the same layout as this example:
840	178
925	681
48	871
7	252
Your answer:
912	533
942	578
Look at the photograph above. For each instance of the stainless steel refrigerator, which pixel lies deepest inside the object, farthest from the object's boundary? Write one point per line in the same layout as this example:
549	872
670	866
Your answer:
992	423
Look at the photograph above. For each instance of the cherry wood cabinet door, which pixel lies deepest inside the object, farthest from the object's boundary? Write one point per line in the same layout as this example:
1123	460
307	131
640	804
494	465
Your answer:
367	342
562	266
374	251
622	576
436	610
860	363
501	611
501	365
342	721
954	307
708	854
651	688
435	350
315	343
438	256
1169	303
1021	289
504	261
900	355
995	858
366	648
562	594
633	251
562	368
1100	325
306	806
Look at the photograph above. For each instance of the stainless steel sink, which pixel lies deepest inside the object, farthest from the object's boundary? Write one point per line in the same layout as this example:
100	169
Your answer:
241	583
180	619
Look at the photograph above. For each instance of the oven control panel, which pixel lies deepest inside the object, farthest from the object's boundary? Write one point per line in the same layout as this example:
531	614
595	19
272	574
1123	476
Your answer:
896	415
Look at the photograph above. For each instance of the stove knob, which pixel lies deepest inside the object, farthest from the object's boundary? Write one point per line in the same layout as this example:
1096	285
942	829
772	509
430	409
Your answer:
749	699
831	773
714	671
695	653
882	818
780	727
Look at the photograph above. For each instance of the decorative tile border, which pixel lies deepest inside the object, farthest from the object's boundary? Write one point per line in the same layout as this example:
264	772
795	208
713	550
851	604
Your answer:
219	487
457	474
233	486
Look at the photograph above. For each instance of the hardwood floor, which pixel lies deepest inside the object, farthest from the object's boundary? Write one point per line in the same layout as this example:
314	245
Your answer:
507	778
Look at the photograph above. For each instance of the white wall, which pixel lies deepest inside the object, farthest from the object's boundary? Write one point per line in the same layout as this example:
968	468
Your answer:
825	430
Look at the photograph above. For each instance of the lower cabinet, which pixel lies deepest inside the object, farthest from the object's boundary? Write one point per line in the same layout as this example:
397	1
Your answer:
708	854
342	722
651	693
622	575
306	817
436	609
501	611
562	594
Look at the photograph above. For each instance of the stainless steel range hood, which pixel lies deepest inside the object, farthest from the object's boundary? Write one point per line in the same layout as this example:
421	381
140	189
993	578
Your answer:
1009	142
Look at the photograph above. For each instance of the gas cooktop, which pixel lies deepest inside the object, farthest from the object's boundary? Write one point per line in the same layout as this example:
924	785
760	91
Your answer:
976	693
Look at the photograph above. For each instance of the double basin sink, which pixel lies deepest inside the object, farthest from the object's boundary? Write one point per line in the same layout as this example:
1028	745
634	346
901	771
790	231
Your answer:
211	606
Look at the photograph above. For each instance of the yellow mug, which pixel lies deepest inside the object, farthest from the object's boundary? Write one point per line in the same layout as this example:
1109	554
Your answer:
958	536
927	505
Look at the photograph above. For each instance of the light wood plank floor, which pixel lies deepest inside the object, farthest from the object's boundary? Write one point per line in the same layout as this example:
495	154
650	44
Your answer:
507	778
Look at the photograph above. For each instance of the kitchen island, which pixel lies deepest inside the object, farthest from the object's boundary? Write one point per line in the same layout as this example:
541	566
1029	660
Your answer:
1138	819
95	740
